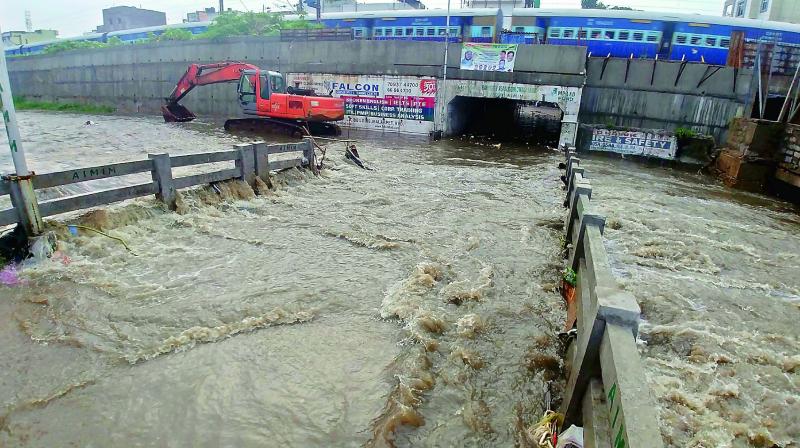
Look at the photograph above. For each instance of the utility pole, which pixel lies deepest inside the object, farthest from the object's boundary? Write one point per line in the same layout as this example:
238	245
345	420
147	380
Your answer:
22	194
444	70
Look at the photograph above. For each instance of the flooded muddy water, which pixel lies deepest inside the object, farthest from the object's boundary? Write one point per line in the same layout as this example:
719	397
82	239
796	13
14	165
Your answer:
412	305
717	274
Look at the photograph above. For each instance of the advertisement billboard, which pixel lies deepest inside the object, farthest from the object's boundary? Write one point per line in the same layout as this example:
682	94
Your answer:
488	57
398	103
650	144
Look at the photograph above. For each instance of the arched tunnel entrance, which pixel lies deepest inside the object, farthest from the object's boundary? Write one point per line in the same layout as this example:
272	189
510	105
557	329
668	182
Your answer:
502	119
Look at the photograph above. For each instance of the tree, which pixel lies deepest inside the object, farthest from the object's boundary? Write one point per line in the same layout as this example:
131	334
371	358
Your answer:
72	45
171	34
253	24
593	4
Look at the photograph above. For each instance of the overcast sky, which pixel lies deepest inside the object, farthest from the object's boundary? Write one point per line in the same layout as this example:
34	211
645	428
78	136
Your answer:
74	17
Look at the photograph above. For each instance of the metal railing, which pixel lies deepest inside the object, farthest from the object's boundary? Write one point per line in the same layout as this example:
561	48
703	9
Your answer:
251	160
607	392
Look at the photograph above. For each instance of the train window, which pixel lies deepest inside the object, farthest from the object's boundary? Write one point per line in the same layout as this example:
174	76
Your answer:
596	34
398	32
378	32
680	38
582	34
409	31
441	31
638	36
569	33
711	41
486	31
695	40
725	43
555	33
624	35
358	32
653	37
519	29
610	34
431	31
455	31
420	32
389	32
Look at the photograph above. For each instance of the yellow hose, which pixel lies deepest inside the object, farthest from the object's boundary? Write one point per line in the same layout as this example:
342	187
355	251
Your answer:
105	235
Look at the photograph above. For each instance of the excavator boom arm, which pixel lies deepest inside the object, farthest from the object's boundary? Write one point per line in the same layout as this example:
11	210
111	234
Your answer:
204	74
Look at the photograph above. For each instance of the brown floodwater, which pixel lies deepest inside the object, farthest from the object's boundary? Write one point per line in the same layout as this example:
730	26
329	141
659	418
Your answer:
412	305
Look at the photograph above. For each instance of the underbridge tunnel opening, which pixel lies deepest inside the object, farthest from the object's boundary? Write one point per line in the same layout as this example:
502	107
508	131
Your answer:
505	120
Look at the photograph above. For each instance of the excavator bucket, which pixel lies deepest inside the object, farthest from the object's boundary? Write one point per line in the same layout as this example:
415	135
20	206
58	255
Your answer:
174	112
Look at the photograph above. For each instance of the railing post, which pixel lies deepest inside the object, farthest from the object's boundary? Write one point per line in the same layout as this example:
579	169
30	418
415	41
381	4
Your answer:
308	151
573	201
261	160
246	162
23	198
162	174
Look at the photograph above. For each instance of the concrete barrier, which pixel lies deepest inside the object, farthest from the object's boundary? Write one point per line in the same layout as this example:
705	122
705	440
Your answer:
606	391
250	161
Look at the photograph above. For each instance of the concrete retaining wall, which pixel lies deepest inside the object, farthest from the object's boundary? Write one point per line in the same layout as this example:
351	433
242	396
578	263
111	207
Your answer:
651	98
135	78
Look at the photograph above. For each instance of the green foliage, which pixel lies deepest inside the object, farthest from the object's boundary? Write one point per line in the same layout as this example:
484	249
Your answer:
253	24
22	103
595	4
171	34
114	41
72	45
685	133
570	276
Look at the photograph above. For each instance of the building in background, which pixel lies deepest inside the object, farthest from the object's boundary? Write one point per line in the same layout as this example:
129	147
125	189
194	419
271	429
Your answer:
120	18
354	6
775	10
506	6
205	15
28	37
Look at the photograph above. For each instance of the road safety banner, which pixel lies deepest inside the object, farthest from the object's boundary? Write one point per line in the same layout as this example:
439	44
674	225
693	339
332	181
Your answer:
651	144
488	57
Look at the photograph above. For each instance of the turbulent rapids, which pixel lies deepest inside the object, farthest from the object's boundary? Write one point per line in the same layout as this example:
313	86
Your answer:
413	305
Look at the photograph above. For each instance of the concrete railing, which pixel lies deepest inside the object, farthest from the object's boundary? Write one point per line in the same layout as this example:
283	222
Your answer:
607	392
251	160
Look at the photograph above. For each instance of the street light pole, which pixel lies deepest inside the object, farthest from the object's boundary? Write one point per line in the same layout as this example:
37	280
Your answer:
22	194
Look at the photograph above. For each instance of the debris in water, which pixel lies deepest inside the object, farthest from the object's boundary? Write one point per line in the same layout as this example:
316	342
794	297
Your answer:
9	276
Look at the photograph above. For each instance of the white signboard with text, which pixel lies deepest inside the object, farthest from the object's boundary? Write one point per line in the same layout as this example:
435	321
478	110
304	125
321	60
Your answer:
397	103
650	144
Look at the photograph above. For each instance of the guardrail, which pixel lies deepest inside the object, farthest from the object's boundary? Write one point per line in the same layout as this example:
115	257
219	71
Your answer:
607	392
251	160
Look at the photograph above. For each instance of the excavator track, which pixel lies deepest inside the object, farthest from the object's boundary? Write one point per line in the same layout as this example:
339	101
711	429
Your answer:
292	128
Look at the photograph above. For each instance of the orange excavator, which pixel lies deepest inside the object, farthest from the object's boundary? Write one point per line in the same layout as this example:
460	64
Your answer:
262	94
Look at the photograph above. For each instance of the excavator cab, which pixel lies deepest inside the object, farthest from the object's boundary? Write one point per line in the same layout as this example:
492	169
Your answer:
257	92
